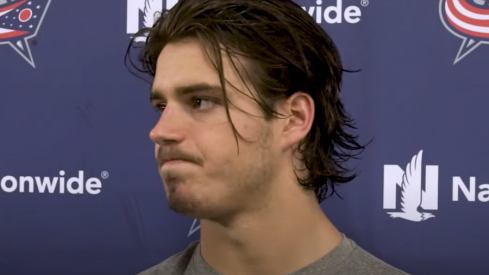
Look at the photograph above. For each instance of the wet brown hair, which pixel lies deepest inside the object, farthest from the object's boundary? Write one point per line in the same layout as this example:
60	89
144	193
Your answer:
287	52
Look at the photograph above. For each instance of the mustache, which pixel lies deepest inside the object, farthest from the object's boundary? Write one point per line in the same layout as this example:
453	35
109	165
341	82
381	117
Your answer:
170	152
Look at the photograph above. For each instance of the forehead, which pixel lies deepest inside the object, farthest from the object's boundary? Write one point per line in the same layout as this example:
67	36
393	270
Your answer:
186	62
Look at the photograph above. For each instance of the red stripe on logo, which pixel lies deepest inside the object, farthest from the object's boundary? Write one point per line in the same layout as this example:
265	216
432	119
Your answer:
476	34
465	19
473	9
13	6
12	34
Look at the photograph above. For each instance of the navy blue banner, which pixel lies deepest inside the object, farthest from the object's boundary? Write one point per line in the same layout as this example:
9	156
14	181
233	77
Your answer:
79	188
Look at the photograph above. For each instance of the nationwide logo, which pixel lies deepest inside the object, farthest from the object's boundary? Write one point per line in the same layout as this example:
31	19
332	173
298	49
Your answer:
52	185
20	21
143	13
468	20
414	196
336	14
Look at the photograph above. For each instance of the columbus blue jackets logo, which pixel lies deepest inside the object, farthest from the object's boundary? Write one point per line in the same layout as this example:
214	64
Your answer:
468	20
20	21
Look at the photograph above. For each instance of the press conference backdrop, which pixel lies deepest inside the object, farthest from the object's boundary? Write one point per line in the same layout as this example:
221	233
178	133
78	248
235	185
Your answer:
79	188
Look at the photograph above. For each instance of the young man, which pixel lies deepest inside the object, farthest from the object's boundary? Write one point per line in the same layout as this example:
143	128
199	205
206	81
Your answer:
251	136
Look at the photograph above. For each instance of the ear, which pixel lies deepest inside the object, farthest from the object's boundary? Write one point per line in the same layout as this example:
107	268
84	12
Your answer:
300	110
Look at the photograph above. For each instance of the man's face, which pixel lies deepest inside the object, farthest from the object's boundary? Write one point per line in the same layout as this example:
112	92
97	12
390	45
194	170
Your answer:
213	180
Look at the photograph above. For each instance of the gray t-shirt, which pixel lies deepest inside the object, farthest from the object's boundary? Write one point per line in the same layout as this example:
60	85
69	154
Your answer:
345	259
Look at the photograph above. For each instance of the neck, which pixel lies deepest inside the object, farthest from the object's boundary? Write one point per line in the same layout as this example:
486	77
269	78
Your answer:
282	238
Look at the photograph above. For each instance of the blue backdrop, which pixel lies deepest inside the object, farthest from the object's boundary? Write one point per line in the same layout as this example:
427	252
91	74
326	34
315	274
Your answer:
79	189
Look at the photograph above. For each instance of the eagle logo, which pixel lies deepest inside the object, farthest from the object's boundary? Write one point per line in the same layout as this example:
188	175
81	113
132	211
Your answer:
144	13
411	194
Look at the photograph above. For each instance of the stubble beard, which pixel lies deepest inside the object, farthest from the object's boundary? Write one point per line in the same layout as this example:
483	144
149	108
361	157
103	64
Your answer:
247	188
179	203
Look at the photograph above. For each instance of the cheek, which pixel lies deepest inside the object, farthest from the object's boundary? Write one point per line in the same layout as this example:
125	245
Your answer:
216	142
219	149
219	144
248	126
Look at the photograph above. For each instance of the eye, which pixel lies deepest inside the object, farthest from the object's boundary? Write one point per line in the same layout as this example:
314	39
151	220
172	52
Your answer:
203	103
160	107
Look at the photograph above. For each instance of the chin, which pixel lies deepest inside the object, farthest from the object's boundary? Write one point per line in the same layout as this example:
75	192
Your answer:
194	207
184	202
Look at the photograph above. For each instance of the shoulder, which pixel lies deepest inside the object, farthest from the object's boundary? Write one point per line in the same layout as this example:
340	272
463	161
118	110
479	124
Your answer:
175	265
362	262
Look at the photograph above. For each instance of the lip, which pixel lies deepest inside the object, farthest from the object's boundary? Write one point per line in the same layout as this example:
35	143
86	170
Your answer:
174	162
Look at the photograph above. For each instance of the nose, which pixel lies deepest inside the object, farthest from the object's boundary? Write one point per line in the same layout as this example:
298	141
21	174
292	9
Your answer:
169	128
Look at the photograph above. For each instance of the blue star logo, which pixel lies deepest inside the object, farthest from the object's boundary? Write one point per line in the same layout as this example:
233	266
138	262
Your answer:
194	228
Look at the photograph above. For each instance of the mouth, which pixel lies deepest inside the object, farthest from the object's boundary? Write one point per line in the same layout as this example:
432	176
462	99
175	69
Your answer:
171	162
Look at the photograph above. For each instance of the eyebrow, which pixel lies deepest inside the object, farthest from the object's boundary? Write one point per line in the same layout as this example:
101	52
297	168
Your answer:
187	90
